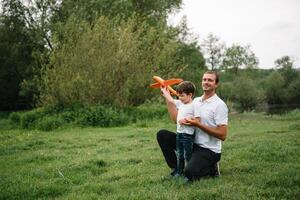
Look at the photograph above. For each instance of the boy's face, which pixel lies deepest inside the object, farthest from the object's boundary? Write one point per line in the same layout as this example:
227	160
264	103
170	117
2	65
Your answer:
185	98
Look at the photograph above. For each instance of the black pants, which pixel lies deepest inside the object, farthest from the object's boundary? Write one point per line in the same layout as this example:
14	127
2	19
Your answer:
201	164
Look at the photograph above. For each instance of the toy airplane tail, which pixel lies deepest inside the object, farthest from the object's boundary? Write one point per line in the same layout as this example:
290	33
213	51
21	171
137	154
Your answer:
165	83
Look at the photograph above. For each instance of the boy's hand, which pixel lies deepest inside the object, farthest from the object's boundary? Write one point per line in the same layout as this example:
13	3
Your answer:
182	121
193	121
166	93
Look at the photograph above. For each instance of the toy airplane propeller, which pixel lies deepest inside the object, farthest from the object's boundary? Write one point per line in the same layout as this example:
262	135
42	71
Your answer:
165	83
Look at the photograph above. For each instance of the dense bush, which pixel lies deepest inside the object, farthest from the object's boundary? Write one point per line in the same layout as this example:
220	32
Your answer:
28	119
15	117
49	118
49	123
102	116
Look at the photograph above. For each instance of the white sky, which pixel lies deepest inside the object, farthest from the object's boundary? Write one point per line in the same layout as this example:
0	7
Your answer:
271	27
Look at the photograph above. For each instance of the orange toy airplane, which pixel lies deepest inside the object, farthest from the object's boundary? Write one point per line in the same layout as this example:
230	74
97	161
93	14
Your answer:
165	83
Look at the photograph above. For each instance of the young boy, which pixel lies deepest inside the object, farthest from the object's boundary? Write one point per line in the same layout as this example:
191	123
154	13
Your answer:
185	134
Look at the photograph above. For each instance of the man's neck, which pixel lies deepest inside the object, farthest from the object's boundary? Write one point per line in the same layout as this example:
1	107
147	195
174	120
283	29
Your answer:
208	94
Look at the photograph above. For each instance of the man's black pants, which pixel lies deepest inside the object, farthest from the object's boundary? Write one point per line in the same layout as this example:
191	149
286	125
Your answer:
201	164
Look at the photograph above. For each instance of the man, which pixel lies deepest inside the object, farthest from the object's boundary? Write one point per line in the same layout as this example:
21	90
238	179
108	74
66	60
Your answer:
211	130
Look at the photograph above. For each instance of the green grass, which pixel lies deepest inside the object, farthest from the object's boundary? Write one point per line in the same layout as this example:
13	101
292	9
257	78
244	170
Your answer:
260	160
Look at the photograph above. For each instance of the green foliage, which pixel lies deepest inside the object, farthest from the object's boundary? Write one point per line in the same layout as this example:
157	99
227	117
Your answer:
195	64
292	115
226	90
246	94
109	62
91	10
28	119
50	118
49	123
274	87
102	116
236	57
15	117
293	91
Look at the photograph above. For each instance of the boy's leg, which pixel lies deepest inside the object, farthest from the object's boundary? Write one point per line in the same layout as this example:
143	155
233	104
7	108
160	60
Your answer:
180	153
188	146
201	163
167	142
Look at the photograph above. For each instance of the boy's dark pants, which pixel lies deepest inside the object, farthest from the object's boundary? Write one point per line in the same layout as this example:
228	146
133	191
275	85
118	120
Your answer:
184	148
201	164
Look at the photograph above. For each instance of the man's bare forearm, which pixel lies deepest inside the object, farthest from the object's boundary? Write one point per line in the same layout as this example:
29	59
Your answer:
219	132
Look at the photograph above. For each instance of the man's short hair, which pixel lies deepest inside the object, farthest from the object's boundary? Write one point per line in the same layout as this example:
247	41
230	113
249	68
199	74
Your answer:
186	87
215	73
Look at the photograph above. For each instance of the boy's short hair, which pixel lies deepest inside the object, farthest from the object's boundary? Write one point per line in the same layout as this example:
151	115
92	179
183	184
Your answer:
186	87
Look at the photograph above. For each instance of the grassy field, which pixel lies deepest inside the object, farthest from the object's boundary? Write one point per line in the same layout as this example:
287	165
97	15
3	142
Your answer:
260	160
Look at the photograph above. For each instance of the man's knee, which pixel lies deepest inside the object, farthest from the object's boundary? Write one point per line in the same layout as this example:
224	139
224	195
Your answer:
195	174
161	135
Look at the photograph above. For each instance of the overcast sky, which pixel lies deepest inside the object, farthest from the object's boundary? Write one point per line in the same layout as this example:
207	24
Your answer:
271	27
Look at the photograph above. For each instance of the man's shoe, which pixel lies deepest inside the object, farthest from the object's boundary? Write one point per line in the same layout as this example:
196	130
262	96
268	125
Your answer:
186	180
216	170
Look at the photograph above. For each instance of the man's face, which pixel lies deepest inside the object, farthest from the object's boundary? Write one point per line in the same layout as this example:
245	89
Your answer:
209	82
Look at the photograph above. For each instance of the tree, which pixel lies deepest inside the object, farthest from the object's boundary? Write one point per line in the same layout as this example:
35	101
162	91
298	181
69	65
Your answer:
285	62
246	94
17	59
213	51
293	91
91	10
274	88
237	56
285	65
25	44
194	63
108	63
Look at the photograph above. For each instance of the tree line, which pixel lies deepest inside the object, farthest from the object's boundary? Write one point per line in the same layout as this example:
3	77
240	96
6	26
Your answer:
105	52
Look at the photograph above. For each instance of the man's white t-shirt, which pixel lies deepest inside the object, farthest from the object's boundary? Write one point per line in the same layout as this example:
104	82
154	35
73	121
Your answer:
212	112
184	111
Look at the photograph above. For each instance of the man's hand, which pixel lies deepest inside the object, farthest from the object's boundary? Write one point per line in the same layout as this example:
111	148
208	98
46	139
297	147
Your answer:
193	121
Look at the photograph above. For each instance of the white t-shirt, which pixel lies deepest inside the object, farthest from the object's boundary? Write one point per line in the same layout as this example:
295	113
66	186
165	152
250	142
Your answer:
184	111
212	112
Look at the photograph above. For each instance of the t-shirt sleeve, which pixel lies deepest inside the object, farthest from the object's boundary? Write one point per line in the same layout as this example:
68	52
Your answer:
221	114
178	103
195	108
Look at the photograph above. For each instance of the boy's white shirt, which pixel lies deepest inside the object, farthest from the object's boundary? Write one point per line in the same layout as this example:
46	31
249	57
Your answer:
184	111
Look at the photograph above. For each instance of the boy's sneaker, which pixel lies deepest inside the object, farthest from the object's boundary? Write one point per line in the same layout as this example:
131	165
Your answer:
174	172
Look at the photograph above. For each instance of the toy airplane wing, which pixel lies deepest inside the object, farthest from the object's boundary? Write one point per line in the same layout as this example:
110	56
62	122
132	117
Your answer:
165	83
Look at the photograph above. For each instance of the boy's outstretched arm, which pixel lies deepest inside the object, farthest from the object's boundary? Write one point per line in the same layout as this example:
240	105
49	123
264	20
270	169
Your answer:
170	104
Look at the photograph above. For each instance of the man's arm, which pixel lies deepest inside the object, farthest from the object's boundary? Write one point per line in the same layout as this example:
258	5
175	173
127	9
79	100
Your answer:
219	132
172	109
